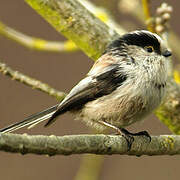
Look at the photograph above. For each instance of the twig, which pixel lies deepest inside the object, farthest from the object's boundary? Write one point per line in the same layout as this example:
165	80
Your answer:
147	13
93	144
36	43
35	84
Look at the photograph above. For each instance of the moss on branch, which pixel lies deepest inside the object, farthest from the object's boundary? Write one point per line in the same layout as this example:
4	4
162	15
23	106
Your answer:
76	23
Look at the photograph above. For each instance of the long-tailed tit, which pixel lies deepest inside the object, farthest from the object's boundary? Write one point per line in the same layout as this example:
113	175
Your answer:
124	85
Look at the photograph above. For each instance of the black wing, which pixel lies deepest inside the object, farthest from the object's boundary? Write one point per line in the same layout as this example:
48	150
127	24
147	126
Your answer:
91	88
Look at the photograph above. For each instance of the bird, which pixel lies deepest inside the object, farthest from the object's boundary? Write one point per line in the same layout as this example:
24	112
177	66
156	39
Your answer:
125	84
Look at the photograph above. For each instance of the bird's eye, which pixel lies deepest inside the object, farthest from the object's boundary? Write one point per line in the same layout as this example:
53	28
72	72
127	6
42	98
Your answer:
149	49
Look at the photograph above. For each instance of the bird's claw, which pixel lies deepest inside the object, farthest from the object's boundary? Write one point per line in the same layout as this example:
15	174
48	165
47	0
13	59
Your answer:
130	136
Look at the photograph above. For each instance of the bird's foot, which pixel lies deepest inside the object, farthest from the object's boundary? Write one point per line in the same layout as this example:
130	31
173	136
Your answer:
130	136
126	134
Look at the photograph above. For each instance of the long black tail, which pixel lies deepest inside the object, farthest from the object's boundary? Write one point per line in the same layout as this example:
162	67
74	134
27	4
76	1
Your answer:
32	120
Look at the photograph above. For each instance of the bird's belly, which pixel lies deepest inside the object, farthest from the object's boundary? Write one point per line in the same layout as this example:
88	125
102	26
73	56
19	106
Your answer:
118	110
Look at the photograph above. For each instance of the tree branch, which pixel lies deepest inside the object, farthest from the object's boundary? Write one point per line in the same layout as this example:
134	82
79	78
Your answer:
35	84
93	144
36	43
76	23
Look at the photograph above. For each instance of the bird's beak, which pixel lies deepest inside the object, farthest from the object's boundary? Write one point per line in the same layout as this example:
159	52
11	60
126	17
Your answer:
166	53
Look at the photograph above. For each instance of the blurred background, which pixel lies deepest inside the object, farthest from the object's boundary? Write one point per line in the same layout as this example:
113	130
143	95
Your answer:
62	71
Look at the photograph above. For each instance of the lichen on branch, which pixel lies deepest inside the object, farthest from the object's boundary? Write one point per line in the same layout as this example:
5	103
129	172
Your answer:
92	144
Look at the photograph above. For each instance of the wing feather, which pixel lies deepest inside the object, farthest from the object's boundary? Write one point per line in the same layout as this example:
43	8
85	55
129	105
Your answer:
90	88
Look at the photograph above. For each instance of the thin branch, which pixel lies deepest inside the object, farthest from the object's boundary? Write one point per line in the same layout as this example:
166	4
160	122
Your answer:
36	43
147	13
93	144
35	84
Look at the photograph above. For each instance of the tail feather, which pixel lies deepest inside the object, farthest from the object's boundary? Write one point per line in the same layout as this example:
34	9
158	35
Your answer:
32	120
37	121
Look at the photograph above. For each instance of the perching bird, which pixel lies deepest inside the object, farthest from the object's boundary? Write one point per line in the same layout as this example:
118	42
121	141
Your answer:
124	85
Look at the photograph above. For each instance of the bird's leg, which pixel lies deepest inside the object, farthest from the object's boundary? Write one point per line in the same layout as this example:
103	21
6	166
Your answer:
120	131
126	134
